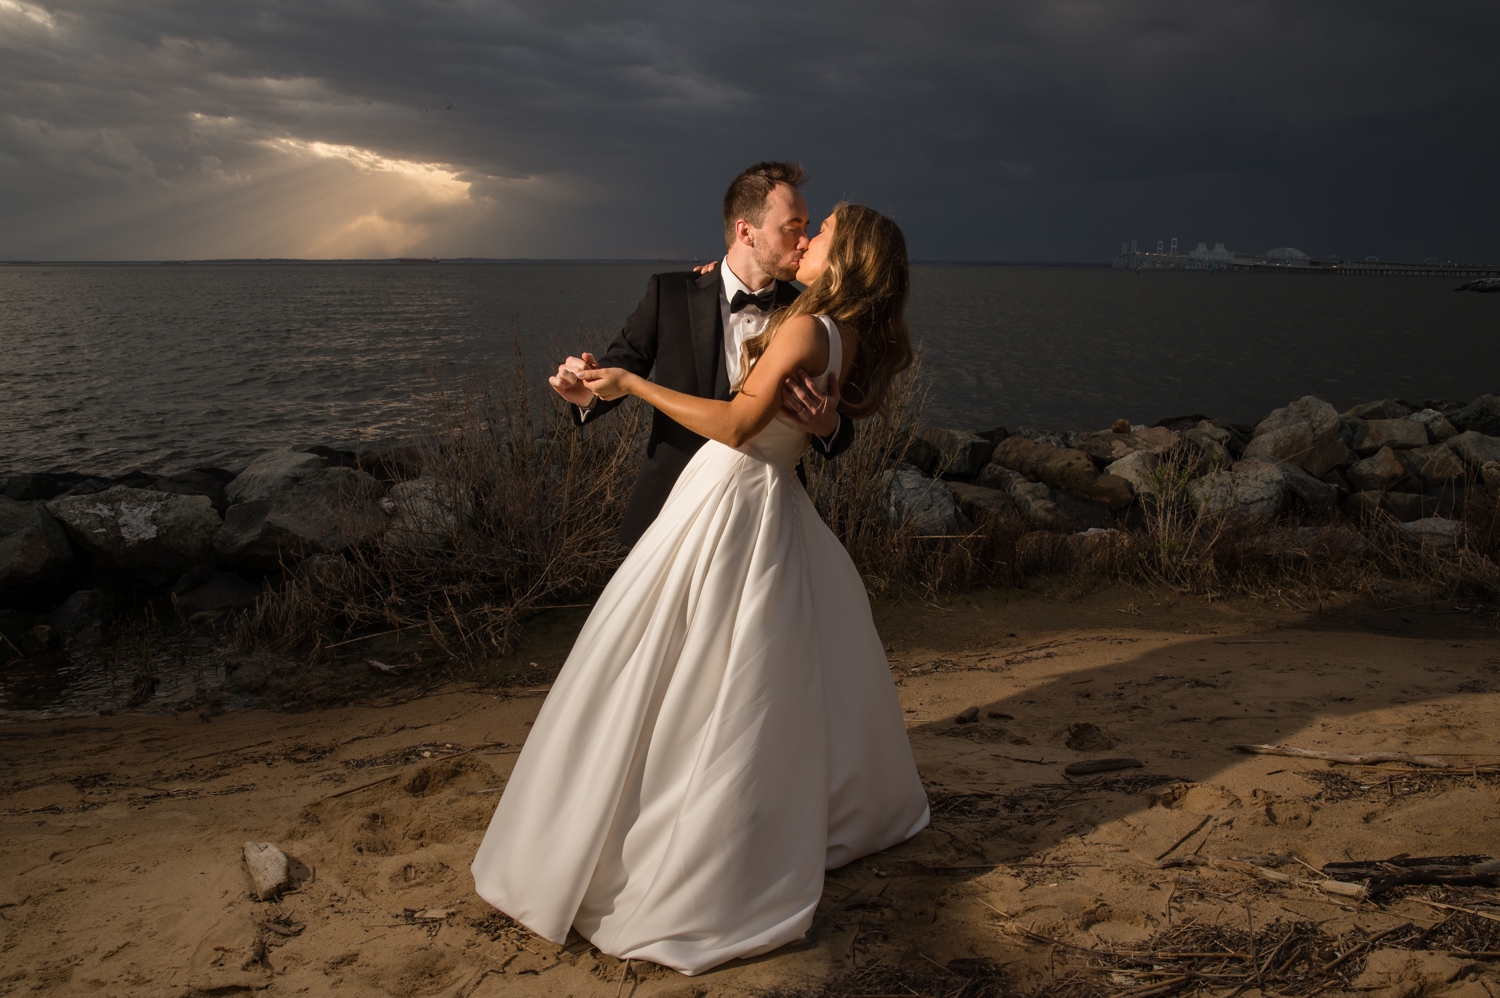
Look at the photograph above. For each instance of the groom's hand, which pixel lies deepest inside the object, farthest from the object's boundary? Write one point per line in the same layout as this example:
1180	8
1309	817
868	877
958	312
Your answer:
566	381
813	411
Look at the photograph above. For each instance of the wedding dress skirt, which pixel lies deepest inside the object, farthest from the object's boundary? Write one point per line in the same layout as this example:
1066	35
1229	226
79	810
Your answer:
724	730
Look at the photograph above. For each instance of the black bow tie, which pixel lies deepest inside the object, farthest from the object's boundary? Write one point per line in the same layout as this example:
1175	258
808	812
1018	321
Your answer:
761	301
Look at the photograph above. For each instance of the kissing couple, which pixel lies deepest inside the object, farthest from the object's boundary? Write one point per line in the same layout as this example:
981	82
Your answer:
725	728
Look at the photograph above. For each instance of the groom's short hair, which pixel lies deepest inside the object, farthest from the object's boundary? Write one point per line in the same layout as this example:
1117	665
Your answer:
747	194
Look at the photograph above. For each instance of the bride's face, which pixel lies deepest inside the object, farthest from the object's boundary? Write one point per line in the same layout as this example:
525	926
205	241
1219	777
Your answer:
815	260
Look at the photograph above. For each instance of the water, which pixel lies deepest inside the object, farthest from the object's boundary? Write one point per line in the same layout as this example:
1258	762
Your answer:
108	369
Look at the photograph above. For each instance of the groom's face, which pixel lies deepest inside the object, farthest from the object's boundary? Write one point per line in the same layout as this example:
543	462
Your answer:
782	237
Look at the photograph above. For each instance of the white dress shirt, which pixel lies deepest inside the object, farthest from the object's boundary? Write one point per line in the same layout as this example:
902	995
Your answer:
740	326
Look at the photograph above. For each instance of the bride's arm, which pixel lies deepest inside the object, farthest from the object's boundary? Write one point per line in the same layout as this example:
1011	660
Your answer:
799	343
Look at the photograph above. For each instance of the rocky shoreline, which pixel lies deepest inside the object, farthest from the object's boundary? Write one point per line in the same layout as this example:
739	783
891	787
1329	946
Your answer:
203	543
1414	463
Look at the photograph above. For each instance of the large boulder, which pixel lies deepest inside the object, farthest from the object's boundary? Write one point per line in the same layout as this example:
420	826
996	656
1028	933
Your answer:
982	505
1384	409
1255	489
141	532
1059	467
1489	474
919	454
1305	433
198	482
326	511
220	591
34	550
1438	427
1477	449
272	473
425	514
961	454
29	488
1481	415
1380	472
81	621
1313	493
1397	434
1212	443
1402	506
916	501
1045	507
1139	469
1107	446
1112	490
1436	465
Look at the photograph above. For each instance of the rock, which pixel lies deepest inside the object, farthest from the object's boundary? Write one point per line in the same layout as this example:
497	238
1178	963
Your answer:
221	591
996	435
1435	531
194	483
1211	442
1042	506
1403	506
1380	472
920	455
1338	480
34	550
29	488
998	477
85	487
1384	409
1077	513
324	512
1438	427
1108	446
270	870
425	517
983	505
1435	464
1112	490
1490	475
1252	489
141	532
1315	494
1477	449
1481	415
1059	467
1305	433
1397	434
80	622
272	473
1139	469
960	453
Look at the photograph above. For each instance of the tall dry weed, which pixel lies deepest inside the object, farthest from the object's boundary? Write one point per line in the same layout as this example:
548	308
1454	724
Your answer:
512	508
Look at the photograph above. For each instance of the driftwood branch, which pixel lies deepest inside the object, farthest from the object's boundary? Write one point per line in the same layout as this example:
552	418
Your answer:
1365	759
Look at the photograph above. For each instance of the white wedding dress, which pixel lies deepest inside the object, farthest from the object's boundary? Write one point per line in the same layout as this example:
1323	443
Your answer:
724	730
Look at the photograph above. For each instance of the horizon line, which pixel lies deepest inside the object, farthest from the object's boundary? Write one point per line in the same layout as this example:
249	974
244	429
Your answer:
398	261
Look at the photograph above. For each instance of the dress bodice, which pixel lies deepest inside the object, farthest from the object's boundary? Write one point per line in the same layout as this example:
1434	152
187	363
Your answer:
782	442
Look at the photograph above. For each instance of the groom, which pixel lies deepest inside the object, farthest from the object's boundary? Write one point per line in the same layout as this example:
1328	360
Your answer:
690	326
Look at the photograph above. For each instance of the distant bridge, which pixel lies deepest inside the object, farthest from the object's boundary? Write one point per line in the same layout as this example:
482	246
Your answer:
1374	268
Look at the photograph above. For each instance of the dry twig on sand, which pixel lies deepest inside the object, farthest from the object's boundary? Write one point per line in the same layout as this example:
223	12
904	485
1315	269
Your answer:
1364	759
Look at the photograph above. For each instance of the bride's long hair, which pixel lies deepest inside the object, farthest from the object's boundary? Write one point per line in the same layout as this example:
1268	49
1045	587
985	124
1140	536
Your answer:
864	292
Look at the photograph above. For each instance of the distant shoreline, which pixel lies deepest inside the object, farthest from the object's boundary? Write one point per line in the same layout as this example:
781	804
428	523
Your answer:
291	262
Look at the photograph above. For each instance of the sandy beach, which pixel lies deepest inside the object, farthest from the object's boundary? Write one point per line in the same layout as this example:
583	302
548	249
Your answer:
123	834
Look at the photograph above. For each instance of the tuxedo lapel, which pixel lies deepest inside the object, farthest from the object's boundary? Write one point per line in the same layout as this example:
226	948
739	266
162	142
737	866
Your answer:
706	328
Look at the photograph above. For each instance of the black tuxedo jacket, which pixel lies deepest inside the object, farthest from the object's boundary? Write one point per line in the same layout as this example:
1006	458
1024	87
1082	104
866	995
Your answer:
678	330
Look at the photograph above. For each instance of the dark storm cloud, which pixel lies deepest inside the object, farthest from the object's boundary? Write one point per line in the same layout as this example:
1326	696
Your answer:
1022	130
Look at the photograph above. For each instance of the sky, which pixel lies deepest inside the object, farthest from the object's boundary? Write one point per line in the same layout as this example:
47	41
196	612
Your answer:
998	130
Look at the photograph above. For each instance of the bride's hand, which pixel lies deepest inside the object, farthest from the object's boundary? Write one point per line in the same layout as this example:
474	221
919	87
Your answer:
607	383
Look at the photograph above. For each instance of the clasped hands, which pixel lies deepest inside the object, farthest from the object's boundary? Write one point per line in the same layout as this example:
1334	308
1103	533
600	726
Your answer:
580	380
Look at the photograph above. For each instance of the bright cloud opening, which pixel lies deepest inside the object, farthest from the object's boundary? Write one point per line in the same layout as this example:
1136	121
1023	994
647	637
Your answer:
434	177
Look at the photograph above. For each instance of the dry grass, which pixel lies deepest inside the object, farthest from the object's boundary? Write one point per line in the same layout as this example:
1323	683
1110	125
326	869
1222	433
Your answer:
515	509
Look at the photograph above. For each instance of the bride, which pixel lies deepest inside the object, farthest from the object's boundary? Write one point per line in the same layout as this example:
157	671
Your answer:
725	728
